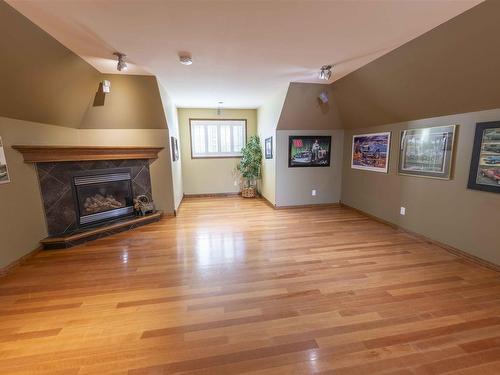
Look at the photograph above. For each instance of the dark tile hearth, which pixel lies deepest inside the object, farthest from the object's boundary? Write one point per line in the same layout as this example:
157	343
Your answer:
57	193
93	233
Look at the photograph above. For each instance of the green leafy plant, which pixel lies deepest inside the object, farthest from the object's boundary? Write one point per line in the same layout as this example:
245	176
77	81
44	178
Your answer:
251	159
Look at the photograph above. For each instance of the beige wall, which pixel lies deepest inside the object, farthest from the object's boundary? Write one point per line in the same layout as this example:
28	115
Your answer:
173	129
207	176
444	211
267	120
294	185
451	69
22	220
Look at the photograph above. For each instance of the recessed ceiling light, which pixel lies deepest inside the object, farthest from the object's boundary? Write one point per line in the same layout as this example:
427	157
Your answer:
121	65
325	73
185	60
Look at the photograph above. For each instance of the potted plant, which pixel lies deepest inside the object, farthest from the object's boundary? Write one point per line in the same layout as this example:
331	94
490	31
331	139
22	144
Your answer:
249	166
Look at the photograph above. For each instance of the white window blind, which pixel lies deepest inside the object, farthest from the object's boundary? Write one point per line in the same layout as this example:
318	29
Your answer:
217	138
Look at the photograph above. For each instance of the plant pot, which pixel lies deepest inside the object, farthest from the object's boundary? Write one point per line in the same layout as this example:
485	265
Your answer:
248	192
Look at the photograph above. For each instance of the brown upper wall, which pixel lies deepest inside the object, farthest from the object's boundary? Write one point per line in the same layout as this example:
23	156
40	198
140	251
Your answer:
453	68
302	108
43	81
133	103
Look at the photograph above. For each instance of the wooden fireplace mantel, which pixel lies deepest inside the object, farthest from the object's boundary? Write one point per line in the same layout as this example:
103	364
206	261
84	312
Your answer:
41	154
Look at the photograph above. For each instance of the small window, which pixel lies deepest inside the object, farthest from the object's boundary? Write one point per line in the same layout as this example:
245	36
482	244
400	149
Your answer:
217	138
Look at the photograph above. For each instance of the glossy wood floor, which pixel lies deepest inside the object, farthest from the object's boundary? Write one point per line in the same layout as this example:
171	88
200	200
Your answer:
232	286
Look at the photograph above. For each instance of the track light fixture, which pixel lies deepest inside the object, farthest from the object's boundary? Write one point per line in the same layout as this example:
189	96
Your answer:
325	73
122	65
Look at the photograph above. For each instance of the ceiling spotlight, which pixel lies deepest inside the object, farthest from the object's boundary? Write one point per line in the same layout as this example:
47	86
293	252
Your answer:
122	65
185	60
325	73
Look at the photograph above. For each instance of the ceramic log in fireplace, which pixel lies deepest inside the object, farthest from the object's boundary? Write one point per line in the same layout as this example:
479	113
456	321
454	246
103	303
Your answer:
103	195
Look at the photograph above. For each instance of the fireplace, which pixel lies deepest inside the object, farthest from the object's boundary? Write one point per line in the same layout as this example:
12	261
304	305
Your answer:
102	195
87	191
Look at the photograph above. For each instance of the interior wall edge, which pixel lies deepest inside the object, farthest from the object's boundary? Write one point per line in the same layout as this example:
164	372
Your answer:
294	185
268	116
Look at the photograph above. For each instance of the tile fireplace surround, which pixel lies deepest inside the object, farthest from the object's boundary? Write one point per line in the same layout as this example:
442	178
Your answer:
56	180
58	169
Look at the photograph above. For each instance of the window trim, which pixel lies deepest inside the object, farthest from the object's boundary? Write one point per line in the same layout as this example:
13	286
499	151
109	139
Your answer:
215	120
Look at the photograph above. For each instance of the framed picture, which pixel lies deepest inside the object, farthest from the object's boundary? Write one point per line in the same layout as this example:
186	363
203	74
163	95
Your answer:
309	151
427	152
370	152
4	171
268	147
484	171
175	149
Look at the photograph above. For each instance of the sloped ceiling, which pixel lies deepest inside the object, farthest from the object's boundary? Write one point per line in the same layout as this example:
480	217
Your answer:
451	69
302	108
43	81
244	51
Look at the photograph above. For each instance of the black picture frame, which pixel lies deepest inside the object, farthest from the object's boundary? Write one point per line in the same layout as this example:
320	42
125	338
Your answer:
305	158
175	148
268	148
485	150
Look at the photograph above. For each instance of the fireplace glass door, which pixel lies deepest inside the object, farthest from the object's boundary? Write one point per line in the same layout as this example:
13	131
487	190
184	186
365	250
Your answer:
103	197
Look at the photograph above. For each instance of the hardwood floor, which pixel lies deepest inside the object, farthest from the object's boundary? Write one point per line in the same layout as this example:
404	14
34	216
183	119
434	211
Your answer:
231	286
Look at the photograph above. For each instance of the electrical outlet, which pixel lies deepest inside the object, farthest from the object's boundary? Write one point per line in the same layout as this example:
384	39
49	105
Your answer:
313	192
402	211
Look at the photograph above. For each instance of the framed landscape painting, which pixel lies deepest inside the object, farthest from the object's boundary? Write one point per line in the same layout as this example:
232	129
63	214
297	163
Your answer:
485	162
370	152
309	151
4	171
427	152
268	148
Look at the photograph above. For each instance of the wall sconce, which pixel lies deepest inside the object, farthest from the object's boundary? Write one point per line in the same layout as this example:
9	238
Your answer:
106	86
323	97
100	95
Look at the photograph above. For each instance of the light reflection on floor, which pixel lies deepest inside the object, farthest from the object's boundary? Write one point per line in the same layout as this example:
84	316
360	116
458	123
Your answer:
216	248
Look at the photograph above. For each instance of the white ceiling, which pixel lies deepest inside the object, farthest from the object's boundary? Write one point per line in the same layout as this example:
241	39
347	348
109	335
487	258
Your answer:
243	51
